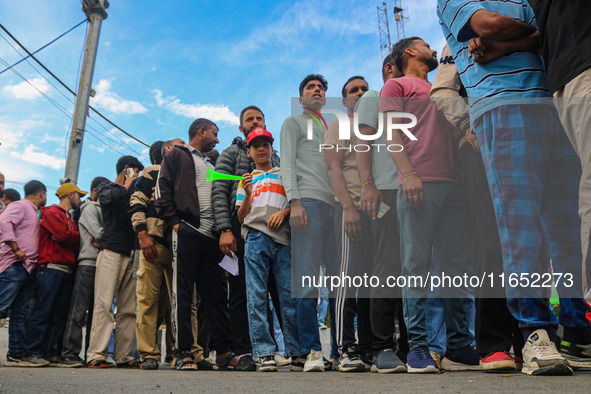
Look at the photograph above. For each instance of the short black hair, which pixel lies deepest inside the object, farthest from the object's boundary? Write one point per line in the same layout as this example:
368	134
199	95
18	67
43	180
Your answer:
97	181
128	161
34	187
246	109
156	152
313	77
12	194
343	92
199	123
398	51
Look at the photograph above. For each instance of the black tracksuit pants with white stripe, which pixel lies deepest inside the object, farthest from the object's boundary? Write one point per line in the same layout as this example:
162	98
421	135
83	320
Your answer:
196	259
355	259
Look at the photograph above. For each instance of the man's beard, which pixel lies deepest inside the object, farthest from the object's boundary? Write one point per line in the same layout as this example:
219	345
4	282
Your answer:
431	62
247	132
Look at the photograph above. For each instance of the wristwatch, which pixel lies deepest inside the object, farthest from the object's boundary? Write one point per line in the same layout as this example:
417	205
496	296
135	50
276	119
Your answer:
16	250
228	230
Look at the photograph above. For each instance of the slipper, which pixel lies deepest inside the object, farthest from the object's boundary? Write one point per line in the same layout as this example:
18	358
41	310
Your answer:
131	364
98	363
186	362
223	363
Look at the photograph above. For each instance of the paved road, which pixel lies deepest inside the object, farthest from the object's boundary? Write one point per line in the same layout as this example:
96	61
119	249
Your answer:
50	380
165	380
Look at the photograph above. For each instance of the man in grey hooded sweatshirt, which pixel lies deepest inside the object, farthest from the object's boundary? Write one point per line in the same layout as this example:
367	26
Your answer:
91	232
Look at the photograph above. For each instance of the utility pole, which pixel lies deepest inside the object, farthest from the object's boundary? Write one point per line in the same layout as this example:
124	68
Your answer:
384	30
95	11
399	18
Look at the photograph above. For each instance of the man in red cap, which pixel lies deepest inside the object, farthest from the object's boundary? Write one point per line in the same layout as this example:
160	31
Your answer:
58	244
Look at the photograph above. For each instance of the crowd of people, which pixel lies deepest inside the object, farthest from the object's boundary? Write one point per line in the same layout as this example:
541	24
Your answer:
487	179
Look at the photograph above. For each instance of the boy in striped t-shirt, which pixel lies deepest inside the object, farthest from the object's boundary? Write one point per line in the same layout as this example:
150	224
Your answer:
263	210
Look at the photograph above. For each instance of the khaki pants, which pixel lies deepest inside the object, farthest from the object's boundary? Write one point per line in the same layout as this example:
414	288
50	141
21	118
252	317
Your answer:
114	276
574	107
149	282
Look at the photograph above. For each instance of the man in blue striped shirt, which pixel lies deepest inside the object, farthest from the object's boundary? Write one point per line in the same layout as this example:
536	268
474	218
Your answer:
531	166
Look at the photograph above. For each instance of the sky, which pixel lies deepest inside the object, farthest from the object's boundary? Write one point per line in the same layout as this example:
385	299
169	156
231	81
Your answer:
162	64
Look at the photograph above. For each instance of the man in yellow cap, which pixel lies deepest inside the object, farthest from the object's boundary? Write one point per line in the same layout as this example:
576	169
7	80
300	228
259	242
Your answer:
58	244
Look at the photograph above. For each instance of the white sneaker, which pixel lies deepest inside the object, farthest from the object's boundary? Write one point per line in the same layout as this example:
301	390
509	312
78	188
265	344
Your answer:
282	361
314	362
540	356
267	364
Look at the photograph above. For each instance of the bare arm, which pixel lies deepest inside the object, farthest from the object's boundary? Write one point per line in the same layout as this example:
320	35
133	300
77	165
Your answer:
370	195
411	183
334	162
495	26
485	50
352	219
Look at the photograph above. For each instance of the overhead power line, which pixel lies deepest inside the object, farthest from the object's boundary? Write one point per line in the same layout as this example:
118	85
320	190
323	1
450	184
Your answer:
66	97
68	88
43	47
67	113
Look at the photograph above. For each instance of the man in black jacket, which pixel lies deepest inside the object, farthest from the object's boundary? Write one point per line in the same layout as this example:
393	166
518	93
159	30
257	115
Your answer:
235	161
114	271
183	201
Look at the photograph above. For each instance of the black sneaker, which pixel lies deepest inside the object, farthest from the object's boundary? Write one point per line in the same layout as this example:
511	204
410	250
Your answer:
33	361
350	361
206	365
578	356
327	364
464	359
246	363
297	363
387	362
368	360
12	360
70	362
54	361
267	364
150	364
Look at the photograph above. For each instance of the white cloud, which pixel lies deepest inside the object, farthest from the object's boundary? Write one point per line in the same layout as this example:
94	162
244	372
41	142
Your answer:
216	113
52	138
25	91
9	138
100	149
301	21
111	101
32	154
18	171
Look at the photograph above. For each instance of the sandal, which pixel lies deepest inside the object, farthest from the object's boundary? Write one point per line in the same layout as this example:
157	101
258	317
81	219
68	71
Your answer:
223	363
98	363
131	364
186	362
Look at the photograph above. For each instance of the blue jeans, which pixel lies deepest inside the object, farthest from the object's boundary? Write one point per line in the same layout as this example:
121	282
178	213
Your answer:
49	315
16	294
279	340
323	303
440	227
262	255
436	334
311	249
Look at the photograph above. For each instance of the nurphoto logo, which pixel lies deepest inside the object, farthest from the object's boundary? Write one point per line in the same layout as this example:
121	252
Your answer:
345	129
